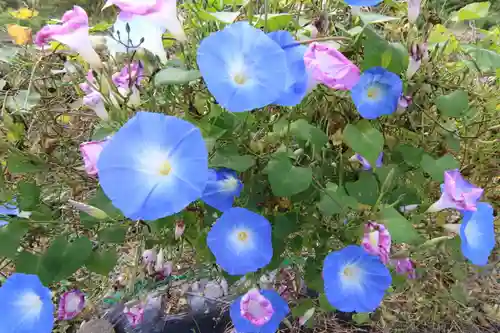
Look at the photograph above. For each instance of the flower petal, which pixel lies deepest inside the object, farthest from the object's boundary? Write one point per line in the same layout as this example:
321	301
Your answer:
71	304
26	305
355	280
154	166
241	241
223	187
477	233
249	72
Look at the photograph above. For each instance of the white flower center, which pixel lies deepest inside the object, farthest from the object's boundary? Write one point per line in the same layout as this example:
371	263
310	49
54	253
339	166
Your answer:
351	276
30	306
72	303
229	185
238	72
241	239
155	162
373	238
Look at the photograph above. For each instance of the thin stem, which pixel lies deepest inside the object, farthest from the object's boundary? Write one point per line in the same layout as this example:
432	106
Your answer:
319	39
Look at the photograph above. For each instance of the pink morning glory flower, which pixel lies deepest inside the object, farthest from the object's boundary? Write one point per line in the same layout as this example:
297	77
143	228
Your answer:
457	193
73	31
256	308
377	241
418	53
128	80
146	22
413	10
71	304
405	266
149	256
180	226
330	67
90	152
93	98
134	314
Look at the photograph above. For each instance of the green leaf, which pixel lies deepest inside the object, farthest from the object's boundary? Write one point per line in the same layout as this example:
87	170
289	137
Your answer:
63	258
302	307
324	304
371	18
174	75
18	164
29	195
365	189
23	102
436	168
453	104
379	52
307	132
402	231
284	225
286	179
224	17
486	60
439	34
27	263
364	140
114	234
10	237
334	200
411	155
459	293
274	21
102	262
235	162
361	318
473	11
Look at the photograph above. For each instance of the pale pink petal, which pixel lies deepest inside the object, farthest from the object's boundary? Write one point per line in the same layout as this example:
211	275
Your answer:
330	67
179	229
413	10
377	241
71	304
256	308
405	266
73	32
90	152
149	256
134	315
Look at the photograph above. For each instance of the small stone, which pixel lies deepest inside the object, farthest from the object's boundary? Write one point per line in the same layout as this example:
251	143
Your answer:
96	326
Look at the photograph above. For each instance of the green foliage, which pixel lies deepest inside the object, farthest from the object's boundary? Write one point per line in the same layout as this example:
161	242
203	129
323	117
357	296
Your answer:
453	104
364	140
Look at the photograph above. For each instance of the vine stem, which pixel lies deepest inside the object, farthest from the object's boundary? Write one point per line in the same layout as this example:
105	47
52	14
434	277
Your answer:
319	39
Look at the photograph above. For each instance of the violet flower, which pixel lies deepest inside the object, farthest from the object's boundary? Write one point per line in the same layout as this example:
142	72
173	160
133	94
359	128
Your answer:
405	266
90	152
71	304
377	241
364	162
457	193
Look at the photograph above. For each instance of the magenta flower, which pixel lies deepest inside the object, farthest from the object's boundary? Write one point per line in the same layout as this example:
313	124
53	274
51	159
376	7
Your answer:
330	67
377	241
457	193
134	314
90	152
71	304
180	226
73	32
256	308
405	266
364	162
128	80
147	23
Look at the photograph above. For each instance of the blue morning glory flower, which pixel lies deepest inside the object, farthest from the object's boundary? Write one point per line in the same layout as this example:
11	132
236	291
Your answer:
355	280
241	241
297	77
377	93
7	210
258	311
26	305
477	233
222	187
365	3
154	166
242	67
